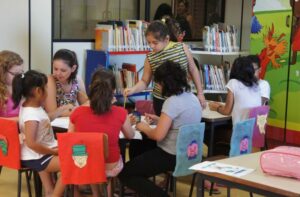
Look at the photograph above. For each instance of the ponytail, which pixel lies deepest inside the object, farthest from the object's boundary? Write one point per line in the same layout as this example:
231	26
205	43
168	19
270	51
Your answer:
101	91
23	85
17	89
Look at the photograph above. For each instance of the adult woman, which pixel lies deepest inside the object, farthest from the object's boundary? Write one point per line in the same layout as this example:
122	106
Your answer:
11	64
65	89
243	91
180	108
158	37
184	18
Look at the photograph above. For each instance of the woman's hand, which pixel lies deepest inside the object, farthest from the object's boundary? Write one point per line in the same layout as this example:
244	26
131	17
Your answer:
142	126
151	118
202	100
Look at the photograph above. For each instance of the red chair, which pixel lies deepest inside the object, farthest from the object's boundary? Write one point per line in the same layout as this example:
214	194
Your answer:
10	151
82	158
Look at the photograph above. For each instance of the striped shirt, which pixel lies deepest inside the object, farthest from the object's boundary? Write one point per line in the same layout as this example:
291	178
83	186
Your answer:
174	51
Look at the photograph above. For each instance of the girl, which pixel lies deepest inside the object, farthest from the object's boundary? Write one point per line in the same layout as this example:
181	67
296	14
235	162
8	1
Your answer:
65	89
158	37
11	64
181	107
38	149
243	91
99	115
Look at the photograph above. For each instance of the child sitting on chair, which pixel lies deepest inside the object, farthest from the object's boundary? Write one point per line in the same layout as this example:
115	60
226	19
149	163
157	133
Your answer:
38	148
99	115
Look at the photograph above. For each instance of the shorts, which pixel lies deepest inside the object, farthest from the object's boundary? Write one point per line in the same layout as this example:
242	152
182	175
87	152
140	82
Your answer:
37	164
116	170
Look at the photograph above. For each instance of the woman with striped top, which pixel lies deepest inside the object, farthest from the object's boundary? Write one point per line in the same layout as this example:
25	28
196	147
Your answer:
158	37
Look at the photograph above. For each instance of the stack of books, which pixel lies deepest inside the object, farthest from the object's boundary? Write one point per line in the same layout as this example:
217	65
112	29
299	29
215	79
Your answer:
221	38
121	36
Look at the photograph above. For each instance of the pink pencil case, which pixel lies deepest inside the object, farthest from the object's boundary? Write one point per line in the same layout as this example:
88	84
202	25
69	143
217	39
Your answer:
281	161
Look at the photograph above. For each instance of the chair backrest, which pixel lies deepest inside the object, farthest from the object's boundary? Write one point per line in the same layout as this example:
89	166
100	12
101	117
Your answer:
144	106
189	147
241	138
82	157
9	144
260	114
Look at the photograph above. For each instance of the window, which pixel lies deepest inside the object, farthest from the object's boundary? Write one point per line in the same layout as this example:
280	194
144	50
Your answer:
76	19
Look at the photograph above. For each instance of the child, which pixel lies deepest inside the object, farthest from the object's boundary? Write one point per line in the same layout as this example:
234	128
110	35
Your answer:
65	89
243	91
38	148
264	85
181	107
158	38
11	64
99	115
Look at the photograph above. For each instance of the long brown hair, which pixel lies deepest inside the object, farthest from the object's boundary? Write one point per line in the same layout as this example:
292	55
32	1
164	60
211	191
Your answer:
8	59
101	91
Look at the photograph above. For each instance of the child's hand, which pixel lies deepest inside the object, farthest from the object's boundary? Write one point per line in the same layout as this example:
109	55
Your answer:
55	151
213	106
132	119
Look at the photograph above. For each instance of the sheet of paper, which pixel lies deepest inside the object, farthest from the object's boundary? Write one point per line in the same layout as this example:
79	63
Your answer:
222	168
61	122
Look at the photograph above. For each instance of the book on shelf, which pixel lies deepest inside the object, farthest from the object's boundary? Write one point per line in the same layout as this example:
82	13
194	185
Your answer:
221	38
126	77
214	77
121	36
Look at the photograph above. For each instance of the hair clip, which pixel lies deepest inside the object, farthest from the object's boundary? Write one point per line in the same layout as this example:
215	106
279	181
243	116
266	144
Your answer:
163	20
22	76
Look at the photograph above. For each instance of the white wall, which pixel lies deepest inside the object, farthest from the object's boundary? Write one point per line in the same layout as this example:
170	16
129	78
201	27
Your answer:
41	35
14	34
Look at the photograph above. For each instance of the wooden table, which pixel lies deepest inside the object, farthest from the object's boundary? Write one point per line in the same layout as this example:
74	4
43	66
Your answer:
213	119
256	182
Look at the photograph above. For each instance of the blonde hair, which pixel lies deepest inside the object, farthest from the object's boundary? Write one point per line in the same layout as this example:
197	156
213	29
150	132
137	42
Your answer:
8	59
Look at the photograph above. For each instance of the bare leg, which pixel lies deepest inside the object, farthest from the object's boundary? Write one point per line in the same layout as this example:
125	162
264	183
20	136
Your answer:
47	183
55	167
96	190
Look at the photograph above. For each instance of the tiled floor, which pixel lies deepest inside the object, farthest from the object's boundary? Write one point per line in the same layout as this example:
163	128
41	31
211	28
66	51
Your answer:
8	186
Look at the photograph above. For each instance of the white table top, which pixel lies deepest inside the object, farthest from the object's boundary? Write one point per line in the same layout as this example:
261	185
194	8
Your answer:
258	176
209	115
63	122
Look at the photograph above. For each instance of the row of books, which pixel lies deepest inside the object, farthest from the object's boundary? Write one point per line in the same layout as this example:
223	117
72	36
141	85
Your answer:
221	38
126	76
121	36
214	77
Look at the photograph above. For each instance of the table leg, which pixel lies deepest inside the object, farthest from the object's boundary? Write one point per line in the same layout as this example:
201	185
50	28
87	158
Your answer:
211	140
200	186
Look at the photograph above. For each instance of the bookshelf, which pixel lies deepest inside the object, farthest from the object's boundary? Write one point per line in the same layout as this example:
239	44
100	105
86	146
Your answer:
214	77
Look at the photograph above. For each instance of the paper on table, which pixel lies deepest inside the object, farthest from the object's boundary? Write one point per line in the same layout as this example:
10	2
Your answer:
222	168
61	122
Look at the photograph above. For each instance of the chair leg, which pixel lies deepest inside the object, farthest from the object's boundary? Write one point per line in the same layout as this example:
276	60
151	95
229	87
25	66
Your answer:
0	169
228	191
27	174
251	194
168	177
174	185
211	188
171	183
121	189
104	186
19	183
192	185
37	184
